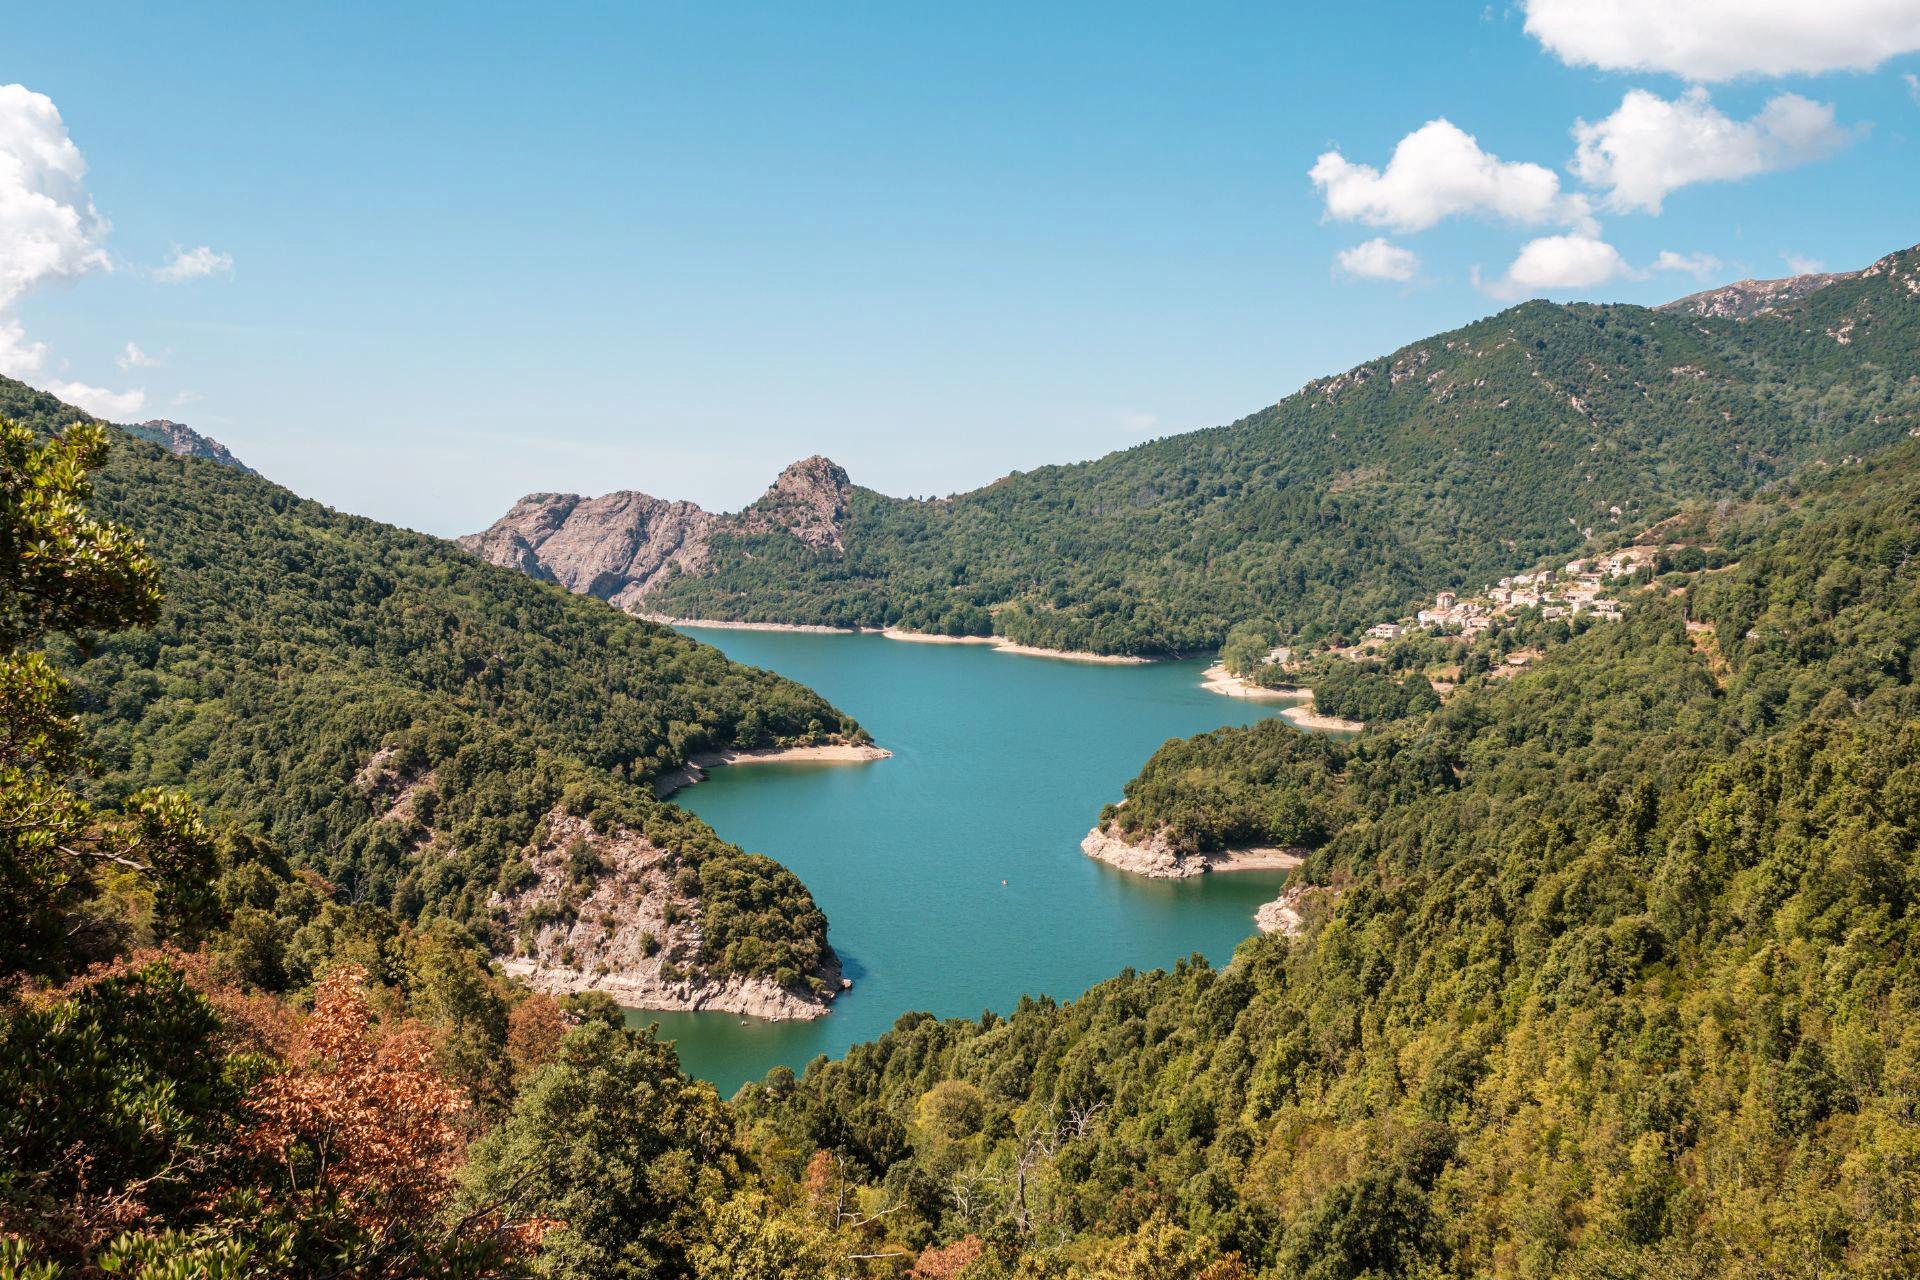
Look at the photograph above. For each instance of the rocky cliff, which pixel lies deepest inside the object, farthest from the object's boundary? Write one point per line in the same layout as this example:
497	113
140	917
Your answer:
605	912
1745	299
620	546
585	910
177	437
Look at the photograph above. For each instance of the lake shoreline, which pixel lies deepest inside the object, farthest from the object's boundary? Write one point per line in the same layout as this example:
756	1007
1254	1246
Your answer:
999	643
695	769
1156	859
1301	715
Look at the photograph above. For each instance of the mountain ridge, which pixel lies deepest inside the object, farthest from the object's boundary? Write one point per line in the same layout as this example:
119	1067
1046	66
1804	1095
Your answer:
1447	462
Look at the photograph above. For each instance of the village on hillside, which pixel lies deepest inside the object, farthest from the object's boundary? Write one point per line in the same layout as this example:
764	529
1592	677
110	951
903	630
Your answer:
1568	592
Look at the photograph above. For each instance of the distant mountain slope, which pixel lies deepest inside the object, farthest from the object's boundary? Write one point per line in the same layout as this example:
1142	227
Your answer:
439	735
178	438
31	405
621	546
1453	460
1745	299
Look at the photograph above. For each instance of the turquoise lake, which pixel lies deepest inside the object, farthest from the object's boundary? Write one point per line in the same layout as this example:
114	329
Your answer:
1000	765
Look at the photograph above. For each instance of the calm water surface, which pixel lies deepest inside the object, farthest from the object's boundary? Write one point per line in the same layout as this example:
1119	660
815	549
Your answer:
951	874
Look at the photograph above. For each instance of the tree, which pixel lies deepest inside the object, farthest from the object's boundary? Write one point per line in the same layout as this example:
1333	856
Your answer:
613	1141
748	1239
62	571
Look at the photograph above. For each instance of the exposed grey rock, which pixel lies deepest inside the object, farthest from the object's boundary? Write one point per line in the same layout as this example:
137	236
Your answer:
621	545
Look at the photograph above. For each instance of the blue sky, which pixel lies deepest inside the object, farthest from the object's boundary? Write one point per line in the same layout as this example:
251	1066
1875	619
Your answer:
455	255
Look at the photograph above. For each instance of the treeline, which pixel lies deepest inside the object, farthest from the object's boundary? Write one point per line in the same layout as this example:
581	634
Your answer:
298	644
1608	971
1447	464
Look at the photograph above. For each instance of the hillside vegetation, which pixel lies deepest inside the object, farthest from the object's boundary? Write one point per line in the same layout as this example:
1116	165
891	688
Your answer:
1452	461
407	721
1609	970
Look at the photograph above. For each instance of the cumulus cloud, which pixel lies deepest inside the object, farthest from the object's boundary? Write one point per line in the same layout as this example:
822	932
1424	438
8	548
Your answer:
1651	146
135	358
1378	259
1439	171
49	229
49	232
1700	265
1712	40
1800	264
115	406
193	264
1553	264
1913	87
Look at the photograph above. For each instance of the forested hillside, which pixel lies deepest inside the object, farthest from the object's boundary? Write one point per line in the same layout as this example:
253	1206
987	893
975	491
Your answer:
1452	461
1609	970
415	725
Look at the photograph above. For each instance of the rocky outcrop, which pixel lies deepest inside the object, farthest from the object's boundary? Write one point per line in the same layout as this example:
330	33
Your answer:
178	438
1154	857
621	545
604	912
1286	914
616	547
807	500
1157	859
1746	299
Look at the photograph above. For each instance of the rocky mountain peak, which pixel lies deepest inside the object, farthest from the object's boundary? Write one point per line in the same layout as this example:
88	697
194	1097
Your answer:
1744	299
807	500
179	438
621	545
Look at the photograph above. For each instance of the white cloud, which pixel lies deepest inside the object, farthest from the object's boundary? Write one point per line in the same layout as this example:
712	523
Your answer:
20	356
1439	171
49	233
1557	264
193	264
134	358
1701	265
1712	40
1650	146
49	229
1378	259
1800	264
1913	87
115	406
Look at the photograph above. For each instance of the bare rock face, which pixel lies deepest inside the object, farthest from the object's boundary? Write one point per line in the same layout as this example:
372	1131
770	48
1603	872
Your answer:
603	913
1746	299
1286	914
1154	857
808	500
179	438
616	547
620	546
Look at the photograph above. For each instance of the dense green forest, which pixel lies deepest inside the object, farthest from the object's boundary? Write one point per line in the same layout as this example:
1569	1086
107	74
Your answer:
298	643
1452	461
1610	971
1608	964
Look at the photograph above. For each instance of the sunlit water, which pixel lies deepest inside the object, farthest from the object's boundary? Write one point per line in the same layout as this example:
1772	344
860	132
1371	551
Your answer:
951	874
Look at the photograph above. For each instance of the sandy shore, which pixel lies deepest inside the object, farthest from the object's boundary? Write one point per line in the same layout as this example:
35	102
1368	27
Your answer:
1300	715
1003	645
695	769
1305	717
828	753
718	625
928	637
1215	679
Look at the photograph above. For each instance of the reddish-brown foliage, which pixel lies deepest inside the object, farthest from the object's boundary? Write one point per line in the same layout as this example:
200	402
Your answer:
250	1021
359	1117
947	1261
534	1030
